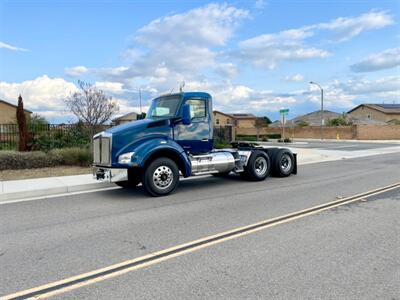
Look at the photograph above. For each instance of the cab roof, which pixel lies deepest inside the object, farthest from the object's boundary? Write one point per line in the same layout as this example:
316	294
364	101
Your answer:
188	95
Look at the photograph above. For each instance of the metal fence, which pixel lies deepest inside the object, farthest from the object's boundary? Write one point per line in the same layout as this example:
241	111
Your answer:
9	133
224	133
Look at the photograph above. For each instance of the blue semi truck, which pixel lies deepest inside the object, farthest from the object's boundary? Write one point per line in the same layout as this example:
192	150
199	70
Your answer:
176	139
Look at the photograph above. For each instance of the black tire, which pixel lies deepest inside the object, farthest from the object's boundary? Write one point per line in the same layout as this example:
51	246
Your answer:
124	184
252	170
161	177
283	163
134	178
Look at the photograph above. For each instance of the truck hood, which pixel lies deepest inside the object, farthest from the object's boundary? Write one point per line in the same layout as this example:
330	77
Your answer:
126	137
131	126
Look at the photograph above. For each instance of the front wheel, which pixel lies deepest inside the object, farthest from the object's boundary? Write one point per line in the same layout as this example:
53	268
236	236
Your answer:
257	167
161	177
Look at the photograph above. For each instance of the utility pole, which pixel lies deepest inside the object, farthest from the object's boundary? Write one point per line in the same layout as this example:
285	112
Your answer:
322	108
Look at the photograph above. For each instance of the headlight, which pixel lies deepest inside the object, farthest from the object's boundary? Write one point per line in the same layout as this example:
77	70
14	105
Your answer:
125	158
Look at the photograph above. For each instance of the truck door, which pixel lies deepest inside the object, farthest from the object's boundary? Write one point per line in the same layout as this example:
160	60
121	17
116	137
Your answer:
197	137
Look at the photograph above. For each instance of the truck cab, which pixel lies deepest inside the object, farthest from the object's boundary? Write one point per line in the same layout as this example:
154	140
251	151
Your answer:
176	140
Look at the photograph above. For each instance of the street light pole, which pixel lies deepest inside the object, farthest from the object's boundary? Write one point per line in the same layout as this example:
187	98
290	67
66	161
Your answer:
322	108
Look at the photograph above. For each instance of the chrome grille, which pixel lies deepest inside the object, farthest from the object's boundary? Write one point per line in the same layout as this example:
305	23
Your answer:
105	150
102	149
96	150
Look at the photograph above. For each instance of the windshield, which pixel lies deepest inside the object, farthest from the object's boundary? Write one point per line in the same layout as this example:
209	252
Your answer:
164	107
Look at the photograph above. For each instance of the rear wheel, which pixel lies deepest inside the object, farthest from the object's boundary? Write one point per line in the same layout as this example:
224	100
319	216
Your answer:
257	167
283	163
161	177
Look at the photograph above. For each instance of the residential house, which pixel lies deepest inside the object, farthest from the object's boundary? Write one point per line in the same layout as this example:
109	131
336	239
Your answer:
374	114
222	119
8	113
245	120
234	119
314	118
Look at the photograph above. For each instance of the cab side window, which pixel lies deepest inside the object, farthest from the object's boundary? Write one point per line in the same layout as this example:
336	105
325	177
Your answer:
197	108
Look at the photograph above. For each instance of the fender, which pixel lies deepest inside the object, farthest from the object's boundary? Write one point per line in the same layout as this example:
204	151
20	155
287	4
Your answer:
148	148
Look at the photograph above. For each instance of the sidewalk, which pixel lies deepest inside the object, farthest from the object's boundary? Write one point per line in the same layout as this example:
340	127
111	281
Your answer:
351	141
28	188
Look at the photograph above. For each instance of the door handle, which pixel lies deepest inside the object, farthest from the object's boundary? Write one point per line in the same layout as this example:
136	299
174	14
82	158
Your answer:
204	140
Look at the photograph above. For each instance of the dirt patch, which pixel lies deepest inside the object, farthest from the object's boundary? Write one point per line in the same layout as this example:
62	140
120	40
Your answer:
43	172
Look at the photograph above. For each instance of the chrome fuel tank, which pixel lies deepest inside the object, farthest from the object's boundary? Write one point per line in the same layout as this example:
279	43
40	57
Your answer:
215	162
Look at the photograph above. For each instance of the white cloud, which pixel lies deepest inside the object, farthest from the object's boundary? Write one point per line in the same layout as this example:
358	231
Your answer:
387	59
76	71
384	87
268	50
10	47
179	47
212	24
230	97
333	97
347	28
112	87
295	78
345	94
226	70
259	4
42	93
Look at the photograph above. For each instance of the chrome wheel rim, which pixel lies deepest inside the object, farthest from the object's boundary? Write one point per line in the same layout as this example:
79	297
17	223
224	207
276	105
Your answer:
260	166
163	177
286	163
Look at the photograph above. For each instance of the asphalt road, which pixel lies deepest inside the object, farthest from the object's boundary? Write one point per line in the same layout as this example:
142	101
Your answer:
349	252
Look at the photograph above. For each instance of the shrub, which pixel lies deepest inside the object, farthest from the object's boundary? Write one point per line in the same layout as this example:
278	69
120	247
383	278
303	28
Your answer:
24	160
274	136
220	143
340	121
251	138
46	141
285	140
75	136
8	145
10	160
72	156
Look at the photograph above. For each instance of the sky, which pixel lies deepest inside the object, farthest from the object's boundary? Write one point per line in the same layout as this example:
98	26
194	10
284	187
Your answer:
251	56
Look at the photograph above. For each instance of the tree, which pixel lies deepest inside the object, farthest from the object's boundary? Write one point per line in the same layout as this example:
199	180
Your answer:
22	127
267	120
37	120
340	121
91	106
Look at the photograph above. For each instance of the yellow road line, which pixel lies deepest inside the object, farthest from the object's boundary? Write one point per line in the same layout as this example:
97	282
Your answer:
111	271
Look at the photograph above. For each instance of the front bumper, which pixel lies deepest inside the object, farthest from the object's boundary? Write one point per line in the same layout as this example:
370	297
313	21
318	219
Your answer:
110	174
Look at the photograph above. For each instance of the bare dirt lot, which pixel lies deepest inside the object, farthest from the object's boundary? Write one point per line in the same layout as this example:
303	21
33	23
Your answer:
43	172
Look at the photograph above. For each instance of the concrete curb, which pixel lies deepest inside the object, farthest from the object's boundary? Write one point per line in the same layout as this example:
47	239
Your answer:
29	188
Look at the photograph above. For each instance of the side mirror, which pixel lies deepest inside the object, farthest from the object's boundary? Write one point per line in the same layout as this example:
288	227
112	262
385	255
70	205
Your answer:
186	119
